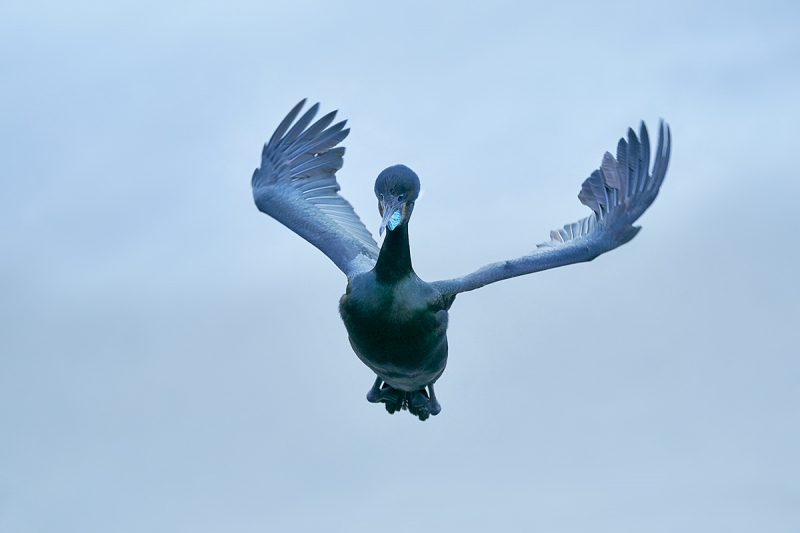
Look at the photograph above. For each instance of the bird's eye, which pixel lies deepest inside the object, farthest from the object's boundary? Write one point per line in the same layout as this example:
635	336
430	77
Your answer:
401	198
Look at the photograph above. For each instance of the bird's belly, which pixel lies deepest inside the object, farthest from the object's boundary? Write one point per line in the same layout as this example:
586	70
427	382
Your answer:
404	364
406	345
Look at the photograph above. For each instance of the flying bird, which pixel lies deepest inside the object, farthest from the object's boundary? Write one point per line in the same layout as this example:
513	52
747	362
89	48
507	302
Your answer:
396	322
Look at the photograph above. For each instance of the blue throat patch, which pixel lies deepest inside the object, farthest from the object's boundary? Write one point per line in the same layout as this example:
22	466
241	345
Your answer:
394	220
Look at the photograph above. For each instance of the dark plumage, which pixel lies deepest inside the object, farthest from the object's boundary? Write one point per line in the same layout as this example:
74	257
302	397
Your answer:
396	322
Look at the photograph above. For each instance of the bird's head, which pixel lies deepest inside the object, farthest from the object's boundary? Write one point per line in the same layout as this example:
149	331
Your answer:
397	188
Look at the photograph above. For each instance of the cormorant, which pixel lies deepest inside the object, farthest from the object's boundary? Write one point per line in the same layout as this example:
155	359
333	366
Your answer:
397	323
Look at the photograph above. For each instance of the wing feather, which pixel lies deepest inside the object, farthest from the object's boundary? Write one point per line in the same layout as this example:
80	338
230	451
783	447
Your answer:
296	185
617	193
284	125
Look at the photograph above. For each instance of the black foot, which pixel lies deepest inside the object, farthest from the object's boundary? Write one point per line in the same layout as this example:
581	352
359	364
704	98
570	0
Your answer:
419	403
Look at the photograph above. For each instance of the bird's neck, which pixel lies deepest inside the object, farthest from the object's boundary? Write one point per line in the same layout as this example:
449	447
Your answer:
394	261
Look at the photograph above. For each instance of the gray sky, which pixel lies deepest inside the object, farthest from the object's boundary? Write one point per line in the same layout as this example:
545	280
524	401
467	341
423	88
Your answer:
172	360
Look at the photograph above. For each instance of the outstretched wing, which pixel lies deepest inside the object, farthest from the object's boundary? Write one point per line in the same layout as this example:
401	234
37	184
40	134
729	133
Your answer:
296	185
618	193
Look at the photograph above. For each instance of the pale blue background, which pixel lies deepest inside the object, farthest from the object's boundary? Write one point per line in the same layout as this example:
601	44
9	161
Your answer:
172	360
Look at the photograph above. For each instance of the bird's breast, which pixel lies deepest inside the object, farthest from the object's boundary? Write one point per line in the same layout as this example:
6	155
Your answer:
396	329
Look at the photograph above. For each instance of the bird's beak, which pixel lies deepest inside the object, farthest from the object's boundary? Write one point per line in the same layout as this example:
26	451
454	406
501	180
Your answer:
392	215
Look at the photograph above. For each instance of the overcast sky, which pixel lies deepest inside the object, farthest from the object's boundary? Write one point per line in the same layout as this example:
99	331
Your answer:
172	360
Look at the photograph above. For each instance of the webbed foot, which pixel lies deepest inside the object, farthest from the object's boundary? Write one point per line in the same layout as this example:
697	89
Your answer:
419	404
423	403
392	398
